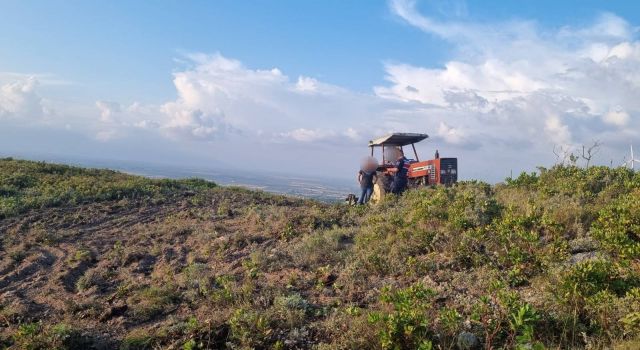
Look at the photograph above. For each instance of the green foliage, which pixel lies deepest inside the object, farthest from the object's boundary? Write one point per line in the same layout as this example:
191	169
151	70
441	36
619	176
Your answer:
288	232
322	248
523	180
137	340
225	290
450	323
591	277
83	254
197	277
521	322
28	330
17	256
150	302
28	185
549	258
191	344
618	226
600	296
631	322
250	328
89	279
36	336
406	325
504	317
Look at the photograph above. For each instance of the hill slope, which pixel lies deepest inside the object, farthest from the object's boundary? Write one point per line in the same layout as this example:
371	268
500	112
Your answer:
99	259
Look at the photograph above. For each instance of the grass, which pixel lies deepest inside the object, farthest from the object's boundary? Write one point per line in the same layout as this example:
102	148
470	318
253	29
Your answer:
26	185
150	302
545	260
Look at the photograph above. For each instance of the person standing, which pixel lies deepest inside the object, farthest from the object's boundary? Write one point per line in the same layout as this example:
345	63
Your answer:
401	170
366	177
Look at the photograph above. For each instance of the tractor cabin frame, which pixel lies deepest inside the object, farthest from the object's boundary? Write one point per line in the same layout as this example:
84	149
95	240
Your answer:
442	171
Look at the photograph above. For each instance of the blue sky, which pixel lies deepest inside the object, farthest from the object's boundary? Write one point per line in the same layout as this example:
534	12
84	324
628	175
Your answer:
341	42
130	46
192	76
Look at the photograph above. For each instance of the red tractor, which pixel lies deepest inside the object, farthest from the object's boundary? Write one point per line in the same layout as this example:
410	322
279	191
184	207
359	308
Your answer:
421	173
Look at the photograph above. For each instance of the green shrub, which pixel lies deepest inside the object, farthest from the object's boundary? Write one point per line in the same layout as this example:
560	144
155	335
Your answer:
147	303
597	296
523	180
451	323
198	277
406	325
36	336
590	277
618	226
505	318
26	185
290	311
250	328
547	258
89	279
82	254
137	340
322	248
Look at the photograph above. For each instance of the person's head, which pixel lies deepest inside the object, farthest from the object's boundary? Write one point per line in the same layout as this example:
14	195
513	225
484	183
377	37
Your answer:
400	153
368	164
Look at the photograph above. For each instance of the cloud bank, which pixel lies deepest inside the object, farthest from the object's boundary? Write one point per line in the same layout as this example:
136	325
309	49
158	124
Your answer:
20	101
515	83
507	95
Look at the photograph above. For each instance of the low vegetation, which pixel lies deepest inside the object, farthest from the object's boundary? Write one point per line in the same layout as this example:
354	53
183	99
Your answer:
33	185
99	259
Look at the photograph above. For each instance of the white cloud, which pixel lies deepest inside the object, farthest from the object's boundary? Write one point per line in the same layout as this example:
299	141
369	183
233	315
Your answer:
617	117
192	123
307	135
515	83
306	84
406	9
625	50
218	98
451	135
43	79
320	135
607	27
147	124
511	89
108	110
557	131
106	135
353	134
218	95
19	100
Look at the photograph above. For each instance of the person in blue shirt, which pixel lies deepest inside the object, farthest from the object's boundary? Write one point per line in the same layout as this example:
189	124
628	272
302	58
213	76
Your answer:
401	170
366	178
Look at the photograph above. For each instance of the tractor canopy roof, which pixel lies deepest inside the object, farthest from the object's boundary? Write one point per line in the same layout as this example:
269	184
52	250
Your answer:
398	139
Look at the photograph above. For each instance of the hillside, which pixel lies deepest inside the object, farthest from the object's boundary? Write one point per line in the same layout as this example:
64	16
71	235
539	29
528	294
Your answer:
99	259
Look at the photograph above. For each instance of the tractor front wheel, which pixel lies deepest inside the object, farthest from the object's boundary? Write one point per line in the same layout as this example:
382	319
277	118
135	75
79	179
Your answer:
378	192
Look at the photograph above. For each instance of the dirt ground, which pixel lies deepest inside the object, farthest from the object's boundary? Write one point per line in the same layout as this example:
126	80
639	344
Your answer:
83	265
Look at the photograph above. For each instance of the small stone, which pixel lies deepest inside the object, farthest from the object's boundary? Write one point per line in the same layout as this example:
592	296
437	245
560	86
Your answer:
582	245
328	279
467	341
114	311
585	256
